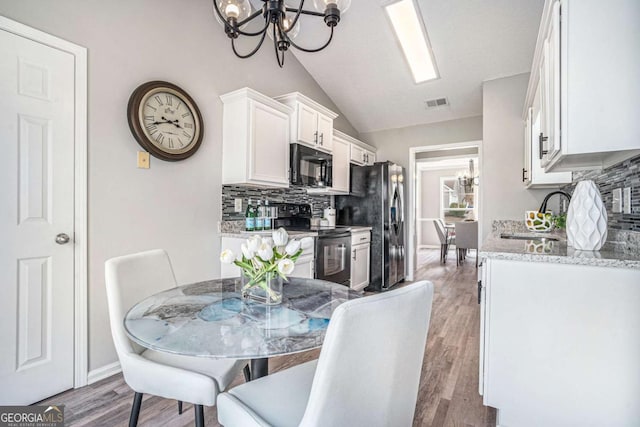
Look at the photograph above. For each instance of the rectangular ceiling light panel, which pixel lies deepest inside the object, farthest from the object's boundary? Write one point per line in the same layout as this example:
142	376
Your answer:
413	39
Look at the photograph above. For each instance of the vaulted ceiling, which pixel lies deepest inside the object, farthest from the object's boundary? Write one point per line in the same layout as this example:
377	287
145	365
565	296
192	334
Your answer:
366	75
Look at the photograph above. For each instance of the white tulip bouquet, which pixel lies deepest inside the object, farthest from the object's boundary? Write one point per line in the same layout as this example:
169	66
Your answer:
265	258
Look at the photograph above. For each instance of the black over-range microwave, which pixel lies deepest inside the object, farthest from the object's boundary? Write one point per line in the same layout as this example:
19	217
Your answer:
310	167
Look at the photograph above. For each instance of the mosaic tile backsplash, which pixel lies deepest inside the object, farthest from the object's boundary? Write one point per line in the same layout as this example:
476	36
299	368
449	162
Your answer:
292	194
624	174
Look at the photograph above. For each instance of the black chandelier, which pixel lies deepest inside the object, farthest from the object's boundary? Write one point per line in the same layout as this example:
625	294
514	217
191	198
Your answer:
280	21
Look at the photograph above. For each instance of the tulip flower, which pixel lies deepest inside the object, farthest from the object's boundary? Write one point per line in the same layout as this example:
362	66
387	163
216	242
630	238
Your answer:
292	247
280	237
248	253
285	266
253	243
265	252
227	256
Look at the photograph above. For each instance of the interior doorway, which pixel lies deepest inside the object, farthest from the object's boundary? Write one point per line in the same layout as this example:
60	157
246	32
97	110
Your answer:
444	186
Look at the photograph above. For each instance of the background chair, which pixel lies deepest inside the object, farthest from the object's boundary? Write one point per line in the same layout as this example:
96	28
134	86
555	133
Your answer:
466	238
445	239
368	372
130	279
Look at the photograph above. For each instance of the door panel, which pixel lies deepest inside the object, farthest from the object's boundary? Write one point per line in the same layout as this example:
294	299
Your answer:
269	160
325	132
341	169
307	125
36	203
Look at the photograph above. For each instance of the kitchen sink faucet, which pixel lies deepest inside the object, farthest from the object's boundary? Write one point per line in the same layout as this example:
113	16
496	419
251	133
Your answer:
543	206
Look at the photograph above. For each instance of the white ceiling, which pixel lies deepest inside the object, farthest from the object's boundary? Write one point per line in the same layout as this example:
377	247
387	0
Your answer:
364	71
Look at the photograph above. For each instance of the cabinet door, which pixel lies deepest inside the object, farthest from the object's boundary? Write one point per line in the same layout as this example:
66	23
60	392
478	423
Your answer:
482	300
537	177
552	84
357	155
269	146
303	268
371	157
340	165
526	168
325	132
360	259
307	123
234	244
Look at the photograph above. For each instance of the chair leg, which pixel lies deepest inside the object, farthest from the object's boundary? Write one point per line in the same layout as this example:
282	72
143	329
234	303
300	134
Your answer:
135	409
179	407
199	415
247	373
457	257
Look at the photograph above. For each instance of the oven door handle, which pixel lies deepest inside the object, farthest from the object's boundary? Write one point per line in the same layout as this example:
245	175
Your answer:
335	236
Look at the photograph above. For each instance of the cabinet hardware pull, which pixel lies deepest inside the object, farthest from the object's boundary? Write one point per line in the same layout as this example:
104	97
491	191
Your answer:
322	138
355	255
524	175
315	137
542	139
479	290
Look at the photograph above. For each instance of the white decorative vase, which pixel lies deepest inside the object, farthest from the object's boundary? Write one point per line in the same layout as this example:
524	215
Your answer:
586	218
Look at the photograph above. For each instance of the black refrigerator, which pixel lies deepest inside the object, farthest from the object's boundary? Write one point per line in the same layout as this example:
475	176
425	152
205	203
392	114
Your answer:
377	200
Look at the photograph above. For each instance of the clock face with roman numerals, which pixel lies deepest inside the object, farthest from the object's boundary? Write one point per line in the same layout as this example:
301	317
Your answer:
165	120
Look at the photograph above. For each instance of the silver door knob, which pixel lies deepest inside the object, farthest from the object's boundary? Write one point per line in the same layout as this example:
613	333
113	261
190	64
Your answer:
62	239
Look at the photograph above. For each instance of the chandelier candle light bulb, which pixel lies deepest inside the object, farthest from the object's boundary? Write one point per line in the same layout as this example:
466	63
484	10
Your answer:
281	22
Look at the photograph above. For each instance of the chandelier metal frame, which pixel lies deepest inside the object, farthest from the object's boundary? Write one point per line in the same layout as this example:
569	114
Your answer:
274	14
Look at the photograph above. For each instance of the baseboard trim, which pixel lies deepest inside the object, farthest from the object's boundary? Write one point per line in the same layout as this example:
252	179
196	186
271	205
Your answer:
103	372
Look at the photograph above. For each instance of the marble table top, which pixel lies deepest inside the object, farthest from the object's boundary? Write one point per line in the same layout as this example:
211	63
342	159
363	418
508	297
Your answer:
208	319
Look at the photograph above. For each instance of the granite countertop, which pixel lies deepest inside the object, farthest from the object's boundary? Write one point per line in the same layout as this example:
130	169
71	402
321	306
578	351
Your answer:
539	249
293	234
356	228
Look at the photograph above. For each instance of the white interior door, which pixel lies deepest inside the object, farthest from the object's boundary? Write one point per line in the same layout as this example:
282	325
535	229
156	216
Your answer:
36	205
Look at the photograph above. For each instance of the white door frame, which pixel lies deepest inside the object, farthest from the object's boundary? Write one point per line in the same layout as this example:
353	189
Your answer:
80	365
414	194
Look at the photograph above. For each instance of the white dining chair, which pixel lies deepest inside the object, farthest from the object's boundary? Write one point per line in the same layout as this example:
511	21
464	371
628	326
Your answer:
367	374
130	279
445	239
466	238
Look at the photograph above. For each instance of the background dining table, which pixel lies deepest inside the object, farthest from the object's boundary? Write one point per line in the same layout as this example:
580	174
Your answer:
209	319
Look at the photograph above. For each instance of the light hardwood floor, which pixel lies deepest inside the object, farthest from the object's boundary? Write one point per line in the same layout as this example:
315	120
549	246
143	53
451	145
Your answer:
448	394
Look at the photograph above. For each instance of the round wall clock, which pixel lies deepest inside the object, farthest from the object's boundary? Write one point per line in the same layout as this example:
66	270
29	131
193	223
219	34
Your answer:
165	120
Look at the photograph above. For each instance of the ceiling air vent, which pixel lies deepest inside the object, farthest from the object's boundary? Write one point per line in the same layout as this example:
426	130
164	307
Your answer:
436	103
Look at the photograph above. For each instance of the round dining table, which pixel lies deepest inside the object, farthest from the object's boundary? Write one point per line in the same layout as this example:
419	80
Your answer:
210	319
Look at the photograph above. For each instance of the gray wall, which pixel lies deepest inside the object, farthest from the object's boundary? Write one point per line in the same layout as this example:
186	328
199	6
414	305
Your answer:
430	203
503	195
394	144
175	206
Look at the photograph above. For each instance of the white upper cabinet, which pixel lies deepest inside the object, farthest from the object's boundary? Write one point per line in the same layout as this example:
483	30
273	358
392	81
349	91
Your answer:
586	67
341	169
361	156
533	174
255	140
357	156
311	123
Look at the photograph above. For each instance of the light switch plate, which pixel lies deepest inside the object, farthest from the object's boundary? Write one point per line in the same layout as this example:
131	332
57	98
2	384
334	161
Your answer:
237	205
143	160
627	200
617	201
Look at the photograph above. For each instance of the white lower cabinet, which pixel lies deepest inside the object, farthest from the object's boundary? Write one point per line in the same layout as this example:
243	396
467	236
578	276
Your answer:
304	265
559	343
360	259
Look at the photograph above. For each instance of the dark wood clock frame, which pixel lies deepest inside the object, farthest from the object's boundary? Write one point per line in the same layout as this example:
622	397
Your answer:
136	127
